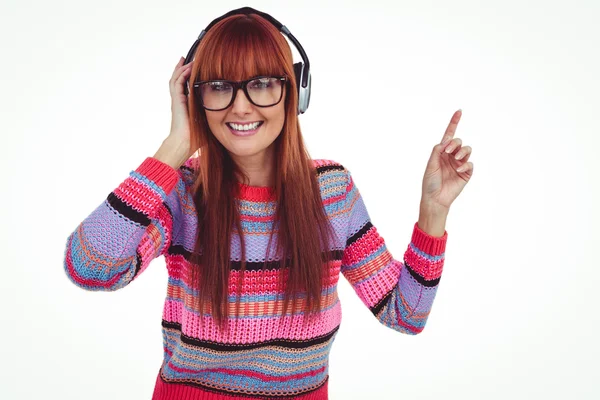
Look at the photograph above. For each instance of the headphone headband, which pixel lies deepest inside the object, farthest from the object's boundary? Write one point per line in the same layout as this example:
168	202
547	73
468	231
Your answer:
245	11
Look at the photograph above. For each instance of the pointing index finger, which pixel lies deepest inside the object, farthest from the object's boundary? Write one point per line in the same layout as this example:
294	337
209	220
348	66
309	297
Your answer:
449	134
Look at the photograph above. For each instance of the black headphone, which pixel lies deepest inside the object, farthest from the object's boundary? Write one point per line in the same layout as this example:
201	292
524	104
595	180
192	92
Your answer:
301	70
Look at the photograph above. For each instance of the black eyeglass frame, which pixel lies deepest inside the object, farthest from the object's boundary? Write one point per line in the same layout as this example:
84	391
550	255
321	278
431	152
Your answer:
240	85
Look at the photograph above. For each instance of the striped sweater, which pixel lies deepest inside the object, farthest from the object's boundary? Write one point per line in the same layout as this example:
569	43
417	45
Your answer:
263	355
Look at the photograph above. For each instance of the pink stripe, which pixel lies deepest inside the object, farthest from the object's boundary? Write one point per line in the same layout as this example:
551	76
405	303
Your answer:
426	268
323	162
364	246
172	311
255	218
334	199
255	281
431	245
252	330
373	289
162	174
139	196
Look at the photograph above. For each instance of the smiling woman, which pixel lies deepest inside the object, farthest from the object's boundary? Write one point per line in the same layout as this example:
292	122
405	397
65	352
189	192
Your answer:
244	319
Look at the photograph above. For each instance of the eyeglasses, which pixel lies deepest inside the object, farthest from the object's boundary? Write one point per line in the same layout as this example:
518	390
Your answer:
219	94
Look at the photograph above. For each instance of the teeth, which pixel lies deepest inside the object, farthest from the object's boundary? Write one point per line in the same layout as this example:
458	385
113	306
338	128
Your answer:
247	127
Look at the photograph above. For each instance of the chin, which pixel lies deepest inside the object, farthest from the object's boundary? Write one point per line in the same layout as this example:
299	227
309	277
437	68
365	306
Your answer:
244	152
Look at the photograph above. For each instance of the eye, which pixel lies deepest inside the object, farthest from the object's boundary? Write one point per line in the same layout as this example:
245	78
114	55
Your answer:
218	86
261	83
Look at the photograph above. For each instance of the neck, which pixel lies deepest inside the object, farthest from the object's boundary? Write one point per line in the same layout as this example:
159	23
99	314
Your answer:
258	167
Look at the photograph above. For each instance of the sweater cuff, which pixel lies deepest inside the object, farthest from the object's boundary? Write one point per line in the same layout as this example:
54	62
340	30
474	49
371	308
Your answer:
160	173
432	245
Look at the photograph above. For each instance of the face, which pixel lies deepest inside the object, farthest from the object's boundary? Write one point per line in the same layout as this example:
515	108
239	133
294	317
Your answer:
241	145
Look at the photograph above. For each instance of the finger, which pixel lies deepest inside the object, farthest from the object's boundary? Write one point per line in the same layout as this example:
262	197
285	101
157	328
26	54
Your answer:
179	72
179	64
182	70
180	67
451	129
179	82
465	150
465	167
453	145
184	74
465	158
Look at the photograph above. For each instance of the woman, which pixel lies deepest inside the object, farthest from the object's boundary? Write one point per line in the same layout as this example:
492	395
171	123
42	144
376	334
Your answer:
244	321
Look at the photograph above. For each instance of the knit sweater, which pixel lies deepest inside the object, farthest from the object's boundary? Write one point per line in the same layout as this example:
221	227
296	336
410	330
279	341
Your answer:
263	355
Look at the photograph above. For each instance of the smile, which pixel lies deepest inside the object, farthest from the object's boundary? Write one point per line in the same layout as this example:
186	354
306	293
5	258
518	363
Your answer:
244	129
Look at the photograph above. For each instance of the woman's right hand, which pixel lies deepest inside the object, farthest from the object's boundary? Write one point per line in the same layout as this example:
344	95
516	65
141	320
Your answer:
176	149
180	121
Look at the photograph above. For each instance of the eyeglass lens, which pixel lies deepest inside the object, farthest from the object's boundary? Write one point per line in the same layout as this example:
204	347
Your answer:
262	91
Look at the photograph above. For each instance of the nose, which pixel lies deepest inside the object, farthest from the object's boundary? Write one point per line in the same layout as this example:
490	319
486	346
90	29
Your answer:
241	104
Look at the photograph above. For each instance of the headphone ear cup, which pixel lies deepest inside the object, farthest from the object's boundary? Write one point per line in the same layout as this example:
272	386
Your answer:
306	97
298	75
303	93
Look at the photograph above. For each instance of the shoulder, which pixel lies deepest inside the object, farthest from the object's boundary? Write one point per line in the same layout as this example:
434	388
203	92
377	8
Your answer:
330	168
334	179
322	164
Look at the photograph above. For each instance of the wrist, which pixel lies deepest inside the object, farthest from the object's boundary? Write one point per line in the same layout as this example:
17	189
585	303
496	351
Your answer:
172	153
433	209
432	219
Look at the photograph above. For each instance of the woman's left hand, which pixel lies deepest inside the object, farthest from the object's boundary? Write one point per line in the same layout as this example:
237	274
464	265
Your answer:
448	170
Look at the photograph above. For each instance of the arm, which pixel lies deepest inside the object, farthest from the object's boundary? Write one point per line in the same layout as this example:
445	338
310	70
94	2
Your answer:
399	294
134	225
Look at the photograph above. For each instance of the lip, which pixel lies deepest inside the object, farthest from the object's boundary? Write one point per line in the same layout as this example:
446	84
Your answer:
245	133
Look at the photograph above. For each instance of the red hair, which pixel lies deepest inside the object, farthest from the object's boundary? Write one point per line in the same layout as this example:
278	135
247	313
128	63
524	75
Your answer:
237	48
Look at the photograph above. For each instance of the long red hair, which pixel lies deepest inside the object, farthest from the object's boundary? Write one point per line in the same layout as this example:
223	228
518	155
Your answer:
237	48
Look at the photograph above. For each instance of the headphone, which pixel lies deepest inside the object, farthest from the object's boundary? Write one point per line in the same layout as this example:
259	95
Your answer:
301	70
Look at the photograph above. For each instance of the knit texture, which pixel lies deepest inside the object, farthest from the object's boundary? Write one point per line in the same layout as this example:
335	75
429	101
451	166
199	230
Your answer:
264	354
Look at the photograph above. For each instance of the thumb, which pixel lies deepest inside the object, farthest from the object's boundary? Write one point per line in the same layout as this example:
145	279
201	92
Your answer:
436	152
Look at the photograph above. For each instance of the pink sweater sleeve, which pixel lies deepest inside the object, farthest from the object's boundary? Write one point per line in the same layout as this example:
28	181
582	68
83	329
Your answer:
133	226
399	294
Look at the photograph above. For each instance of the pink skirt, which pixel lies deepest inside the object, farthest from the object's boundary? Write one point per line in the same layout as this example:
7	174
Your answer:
177	391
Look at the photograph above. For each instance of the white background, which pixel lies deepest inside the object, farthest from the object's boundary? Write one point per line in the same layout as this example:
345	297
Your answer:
84	99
